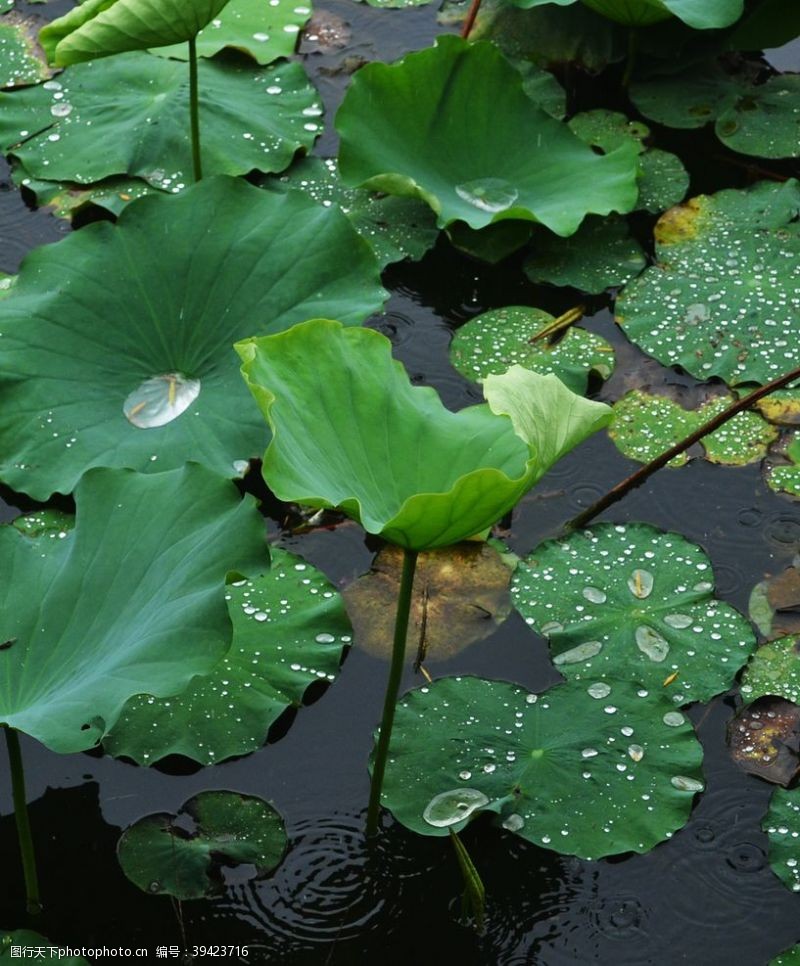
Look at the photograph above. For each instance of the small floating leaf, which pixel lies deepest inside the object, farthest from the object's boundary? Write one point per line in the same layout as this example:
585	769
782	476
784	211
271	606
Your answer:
764	739
782	469
774	669
159	856
782	825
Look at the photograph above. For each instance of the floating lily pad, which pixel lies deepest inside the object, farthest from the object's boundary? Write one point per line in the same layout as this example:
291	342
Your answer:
162	856
724	297
395	228
782	470
764	739
289	631
394	139
600	254
252	118
493	341
21	59
263	29
633	601
343	429
781	407
789	958
135	368
22	938
66	200
646	425
131	600
782	825
700	14
774	604
562	769
757	119
774	669
460	597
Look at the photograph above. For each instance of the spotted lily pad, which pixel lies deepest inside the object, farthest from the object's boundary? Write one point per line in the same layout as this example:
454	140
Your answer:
66	200
263	29
757	119
409	129
600	254
723	298
182	855
21	62
647	425
252	118
289	631
764	739
578	774
774	669
343	428
493	341
782	825
781	407
19	939
782	470
130	600
633	601
395	228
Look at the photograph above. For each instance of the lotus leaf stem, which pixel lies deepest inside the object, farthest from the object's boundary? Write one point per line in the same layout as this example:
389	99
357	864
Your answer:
23	821
473	900
194	110
564	321
469	21
392	688
630	61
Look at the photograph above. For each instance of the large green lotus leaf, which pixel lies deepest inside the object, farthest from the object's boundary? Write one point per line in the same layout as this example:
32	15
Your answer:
579	774
161	858
395	228
635	601
343	429
783	475
20	61
774	669
782	825
130	601
757	119
99	28
701	14
142	322
493	341
27	938
289	630
600	254
264	29
772	23
647	425
723	298
789	958
251	118
409	129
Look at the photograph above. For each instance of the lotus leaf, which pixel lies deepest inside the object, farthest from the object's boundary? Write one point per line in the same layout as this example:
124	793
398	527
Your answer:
782	825
66	200
781	408
633	601
395	228
99	28
543	89
791	957
252	119
289	631
580	774
600	254
409	129
161	858
491	342
264	30
19	63
764	740
29	938
723	298
343	430
126	602
757	119
784	476
645	426
772	23
774	604
155	343
6	5
700	14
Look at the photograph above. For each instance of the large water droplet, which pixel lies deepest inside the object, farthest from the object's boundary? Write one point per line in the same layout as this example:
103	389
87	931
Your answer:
599	690
673	718
685	784
640	583
595	595
514	823
580	653
651	643
678	621
324	638
450	808
636	752
159	400
488	194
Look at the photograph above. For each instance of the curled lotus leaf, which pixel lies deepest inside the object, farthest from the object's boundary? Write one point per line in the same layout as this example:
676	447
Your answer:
700	14
129	600
574	772
632	600
782	825
123	368
409	129
343	428
159	856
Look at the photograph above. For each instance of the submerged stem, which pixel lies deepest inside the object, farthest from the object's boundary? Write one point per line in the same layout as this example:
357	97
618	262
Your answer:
473	900
23	821
392	687
194	110
633	49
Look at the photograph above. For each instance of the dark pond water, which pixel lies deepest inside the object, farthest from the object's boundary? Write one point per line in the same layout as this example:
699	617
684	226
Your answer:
707	896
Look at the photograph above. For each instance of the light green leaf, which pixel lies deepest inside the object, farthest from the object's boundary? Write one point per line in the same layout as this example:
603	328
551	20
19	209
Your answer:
289	631
782	825
409	129
131	600
493	341
578	774
633	601
774	669
148	309
161	858
251	119
20	59
343	430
